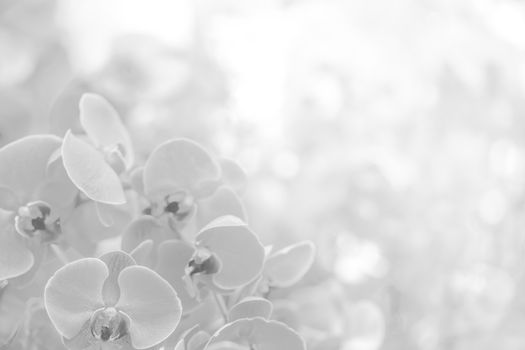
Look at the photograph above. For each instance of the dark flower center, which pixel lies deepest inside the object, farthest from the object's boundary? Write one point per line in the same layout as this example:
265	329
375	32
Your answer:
203	262
172	207
177	206
39	224
108	325
35	219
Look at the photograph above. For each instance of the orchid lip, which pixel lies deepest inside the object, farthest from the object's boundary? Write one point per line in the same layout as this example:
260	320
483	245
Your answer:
179	205
35	219
108	324
203	262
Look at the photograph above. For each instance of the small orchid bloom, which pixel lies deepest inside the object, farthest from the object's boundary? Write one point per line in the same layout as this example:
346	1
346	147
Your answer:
173	259
282	268
95	162
229	251
111	303
181	179
288	266
255	333
35	196
151	244
226	255
94	165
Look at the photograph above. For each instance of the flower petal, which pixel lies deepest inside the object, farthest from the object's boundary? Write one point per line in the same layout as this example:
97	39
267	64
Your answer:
89	171
115	261
23	164
73	293
83	340
223	202
151	304
142	253
173	257
198	340
136	177
240	252
15	257
251	307
8	199
140	229
233	175
103	124
64	110
260	333
287	266
39	254
58	190
180	164
181	343
225	345
84	223
12	307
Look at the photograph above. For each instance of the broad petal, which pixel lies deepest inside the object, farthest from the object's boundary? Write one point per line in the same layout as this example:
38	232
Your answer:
287	266
173	257
15	257
88	170
104	214
103	124
142	253
23	164
39	254
64	110
259	333
240	252
136	177
12	307
151	304
143	228
197	341
181	344
77	239
115	261
58	190
82	340
251	307
84	221
233	175
8	200
223	202
180	164
73	293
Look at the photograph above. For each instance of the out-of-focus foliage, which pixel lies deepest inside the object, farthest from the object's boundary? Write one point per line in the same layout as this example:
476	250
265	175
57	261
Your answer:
388	133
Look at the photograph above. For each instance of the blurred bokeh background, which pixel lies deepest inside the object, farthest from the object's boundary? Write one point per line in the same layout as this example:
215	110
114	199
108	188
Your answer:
391	133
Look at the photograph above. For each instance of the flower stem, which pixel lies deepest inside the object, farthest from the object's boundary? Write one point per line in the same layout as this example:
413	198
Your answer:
222	306
59	254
